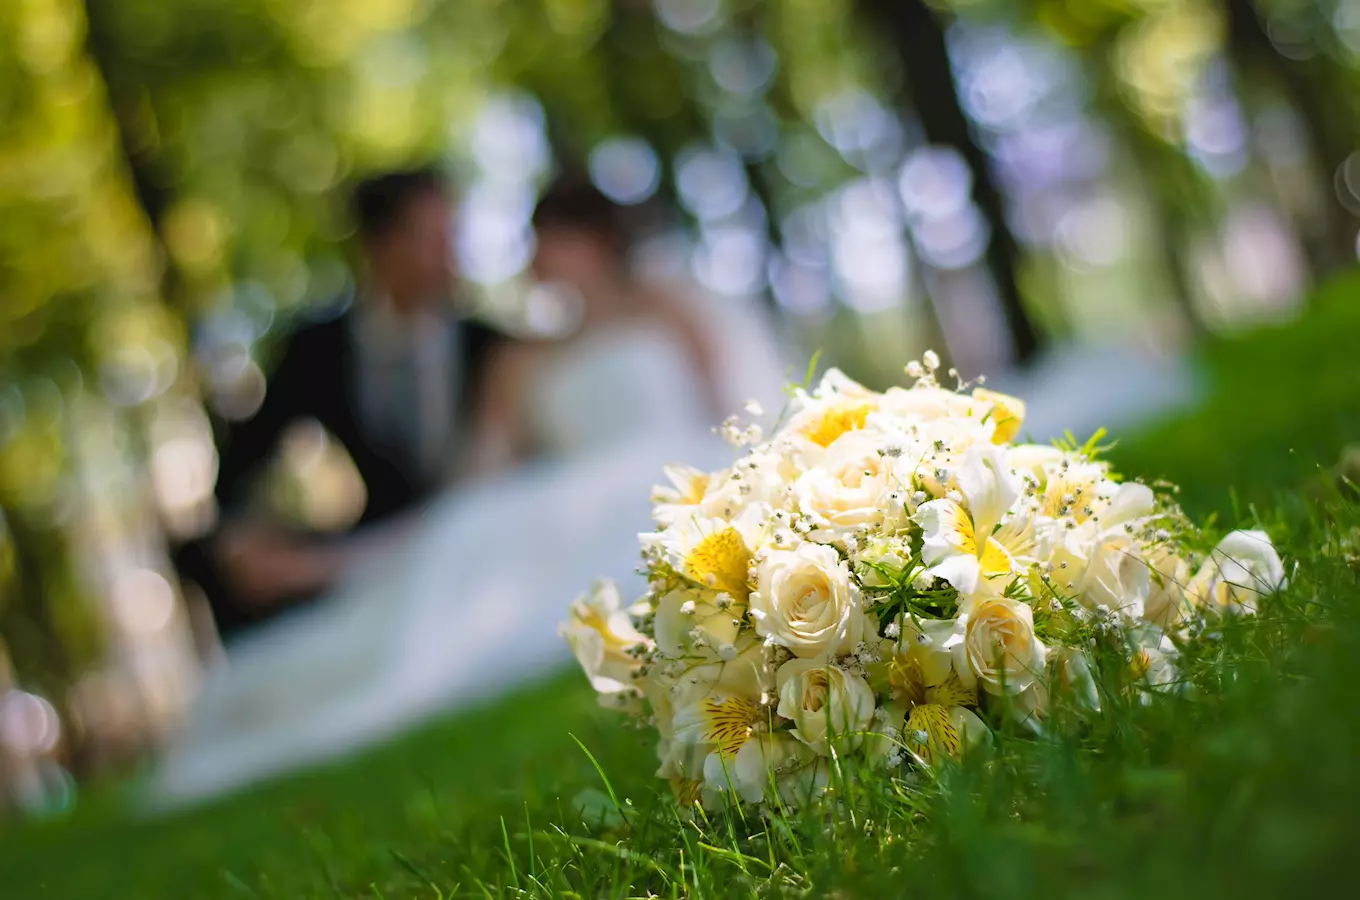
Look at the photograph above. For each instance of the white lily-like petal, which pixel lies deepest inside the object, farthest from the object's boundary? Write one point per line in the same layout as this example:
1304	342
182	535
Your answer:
988	485
962	544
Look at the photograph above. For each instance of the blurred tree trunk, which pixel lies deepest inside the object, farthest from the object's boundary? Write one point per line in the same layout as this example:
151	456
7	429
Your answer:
42	661
1331	243
130	105
1171	184
1175	229
918	37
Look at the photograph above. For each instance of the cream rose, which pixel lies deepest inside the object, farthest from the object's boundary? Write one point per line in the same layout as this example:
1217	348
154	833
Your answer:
851	485
1000	651
806	601
604	641
824	703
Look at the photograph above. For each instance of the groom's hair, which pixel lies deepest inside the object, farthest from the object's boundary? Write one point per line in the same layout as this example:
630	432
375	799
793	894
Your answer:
573	202
378	202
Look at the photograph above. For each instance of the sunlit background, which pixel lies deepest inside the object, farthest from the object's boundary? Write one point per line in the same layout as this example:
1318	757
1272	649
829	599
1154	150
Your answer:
1004	180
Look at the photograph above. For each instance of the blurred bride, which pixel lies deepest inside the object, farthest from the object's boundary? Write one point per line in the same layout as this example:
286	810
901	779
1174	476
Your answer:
570	437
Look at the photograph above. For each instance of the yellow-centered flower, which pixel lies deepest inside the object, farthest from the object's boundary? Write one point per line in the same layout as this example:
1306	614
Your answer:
836	421
1008	413
962	543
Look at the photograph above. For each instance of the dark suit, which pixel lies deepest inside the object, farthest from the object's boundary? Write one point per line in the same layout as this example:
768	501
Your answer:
317	377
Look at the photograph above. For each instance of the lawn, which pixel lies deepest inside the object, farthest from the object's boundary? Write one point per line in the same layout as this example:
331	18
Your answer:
1249	790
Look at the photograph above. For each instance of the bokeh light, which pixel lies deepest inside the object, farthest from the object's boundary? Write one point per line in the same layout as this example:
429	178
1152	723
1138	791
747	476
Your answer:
626	170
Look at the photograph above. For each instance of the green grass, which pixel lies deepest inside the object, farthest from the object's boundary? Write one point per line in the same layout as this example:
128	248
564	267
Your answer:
1284	403
1248	790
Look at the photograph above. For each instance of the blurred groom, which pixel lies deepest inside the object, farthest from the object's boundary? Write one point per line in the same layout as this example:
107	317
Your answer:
393	378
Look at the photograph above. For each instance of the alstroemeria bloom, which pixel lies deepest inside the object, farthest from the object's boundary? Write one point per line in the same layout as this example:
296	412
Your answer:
1007	413
712	553
680	499
962	543
838	406
604	640
700	623
766	760
709	723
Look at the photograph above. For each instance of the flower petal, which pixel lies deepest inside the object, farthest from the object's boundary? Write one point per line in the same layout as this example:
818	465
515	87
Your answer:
986	482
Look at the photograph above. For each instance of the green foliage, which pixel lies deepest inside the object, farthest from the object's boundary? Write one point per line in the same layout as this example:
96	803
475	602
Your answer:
1091	448
899	596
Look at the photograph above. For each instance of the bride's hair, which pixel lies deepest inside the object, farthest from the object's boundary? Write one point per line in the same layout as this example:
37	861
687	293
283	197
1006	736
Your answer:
378	202
573	202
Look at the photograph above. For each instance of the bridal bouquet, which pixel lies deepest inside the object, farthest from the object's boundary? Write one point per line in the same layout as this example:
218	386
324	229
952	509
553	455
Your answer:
884	580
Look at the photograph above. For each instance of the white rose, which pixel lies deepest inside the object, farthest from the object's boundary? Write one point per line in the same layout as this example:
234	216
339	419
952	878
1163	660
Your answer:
824	703
604	641
1000	650
806	601
1243	568
851	485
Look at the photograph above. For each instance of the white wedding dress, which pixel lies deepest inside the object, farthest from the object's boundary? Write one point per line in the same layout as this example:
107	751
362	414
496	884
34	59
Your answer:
469	606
